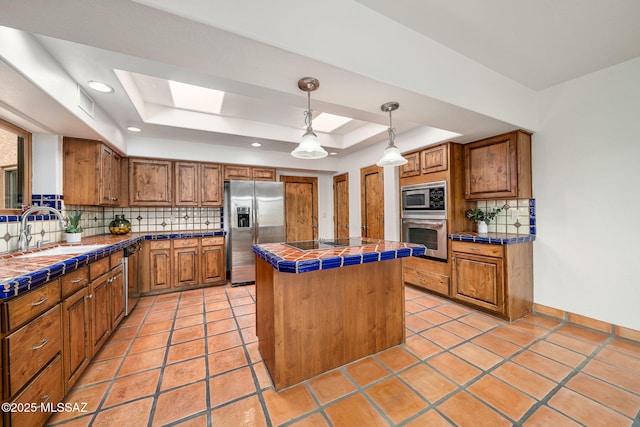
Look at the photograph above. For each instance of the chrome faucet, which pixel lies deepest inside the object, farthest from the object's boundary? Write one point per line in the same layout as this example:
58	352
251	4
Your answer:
25	231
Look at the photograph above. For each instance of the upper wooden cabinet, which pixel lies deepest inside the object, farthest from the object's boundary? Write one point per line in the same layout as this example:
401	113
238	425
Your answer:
150	182
499	167
412	167
429	160
91	173
211	187
248	173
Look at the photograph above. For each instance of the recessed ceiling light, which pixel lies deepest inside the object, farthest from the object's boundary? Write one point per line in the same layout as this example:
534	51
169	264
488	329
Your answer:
333	153
134	129
256	144
100	87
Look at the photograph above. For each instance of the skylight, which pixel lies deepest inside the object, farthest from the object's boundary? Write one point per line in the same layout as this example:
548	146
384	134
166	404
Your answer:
326	122
196	98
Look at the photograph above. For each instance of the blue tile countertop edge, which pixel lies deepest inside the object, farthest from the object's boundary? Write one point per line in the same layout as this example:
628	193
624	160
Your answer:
304	266
492	238
20	284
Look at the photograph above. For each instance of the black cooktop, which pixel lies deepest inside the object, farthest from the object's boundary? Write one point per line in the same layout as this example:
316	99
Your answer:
311	245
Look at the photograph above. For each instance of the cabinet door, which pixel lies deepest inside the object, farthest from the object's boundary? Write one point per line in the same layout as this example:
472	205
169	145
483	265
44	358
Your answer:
490	168
76	348
150	182
237	172
185	266
187	184
160	265
479	280
100	312
412	167
117	296
213	264
435	159
106	190
264	174
211	187
82	172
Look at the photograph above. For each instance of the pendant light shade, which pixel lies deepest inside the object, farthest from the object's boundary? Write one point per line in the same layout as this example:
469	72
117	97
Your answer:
391	155
309	147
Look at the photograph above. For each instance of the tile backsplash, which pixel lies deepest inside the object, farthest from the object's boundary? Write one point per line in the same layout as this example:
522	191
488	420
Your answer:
95	220
507	221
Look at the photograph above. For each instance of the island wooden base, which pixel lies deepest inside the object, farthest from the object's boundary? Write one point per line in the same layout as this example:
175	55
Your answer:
313	322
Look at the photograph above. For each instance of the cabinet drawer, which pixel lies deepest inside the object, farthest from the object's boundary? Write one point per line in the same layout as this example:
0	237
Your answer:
477	248
160	244
98	268
116	258
24	308
425	279
46	388
212	241
32	347
73	281
185	243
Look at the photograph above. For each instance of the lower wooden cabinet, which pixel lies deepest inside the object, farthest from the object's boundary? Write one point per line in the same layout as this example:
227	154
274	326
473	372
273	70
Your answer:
117	295
76	330
186	262
213	264
99	296
427	274
495	278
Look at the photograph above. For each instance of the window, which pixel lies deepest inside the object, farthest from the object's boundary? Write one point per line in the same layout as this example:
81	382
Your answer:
15	168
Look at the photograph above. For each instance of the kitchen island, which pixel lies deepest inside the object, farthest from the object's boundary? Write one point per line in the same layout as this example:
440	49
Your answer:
322	304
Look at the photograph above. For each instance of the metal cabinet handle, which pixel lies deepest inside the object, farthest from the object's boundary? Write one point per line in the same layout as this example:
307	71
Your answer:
42	300
45	398
475	249
43	343
90	296
78	280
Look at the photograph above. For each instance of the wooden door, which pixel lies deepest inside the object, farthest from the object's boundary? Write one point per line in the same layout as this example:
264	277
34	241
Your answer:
187	185
211	188
213	264
76	333
117	296
341	206
100	312
372	202
300	207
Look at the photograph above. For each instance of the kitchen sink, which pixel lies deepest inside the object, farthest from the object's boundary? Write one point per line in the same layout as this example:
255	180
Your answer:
64	250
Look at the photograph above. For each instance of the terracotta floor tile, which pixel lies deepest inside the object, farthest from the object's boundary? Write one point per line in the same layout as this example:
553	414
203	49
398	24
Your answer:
153	328
190	310
288	404
180	403
429	383
197	421
160	316
264	380
497	345
453	310
524	379
502	397
192	320
243	310
132	387
226	360
623	346
433	317
396	358
354	411
574	344
220	326
217	305
529	328
397	400
513	335
212	316
187	334
84	421
167	298
620	360
133	320
246	320
467	411
544	321
312	420
417	324
112	349
254	352
557	353
546	417
242	413
123	334
542	365
224	341
99	370
230	386
249	335
614	375
366	371
481	321
476	355
454	368
91	395
613	397
131	414
585	410
149	342
421	347
430	418
142	361
185	350
441	337
330	386
186	372
462	329
429	300
412	307
583	334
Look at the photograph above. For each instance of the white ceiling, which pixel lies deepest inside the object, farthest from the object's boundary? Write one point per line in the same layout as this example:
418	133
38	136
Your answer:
364	52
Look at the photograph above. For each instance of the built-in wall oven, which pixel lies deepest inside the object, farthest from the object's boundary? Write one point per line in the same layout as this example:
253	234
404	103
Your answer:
424	217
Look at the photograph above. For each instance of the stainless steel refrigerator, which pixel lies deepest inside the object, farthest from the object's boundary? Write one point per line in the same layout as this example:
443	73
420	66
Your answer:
254	214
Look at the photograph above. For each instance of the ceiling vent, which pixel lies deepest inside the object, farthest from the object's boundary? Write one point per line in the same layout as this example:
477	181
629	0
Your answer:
85	102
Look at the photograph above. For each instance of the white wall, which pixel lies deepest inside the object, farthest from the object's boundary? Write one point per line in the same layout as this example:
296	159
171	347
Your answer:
586	172
46	164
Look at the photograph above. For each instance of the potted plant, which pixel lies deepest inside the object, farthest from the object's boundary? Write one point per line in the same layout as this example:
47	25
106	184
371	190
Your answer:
73	231
482	218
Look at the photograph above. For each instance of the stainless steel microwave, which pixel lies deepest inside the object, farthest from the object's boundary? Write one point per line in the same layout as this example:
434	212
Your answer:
425	198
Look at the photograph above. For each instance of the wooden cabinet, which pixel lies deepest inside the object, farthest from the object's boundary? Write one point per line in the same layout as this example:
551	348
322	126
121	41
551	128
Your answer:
412	167
117	295
99	298
213	261
76	332
150	182
186	262
429	160
159	272
495	278
248	173
187	184
91	173
212	190
499	167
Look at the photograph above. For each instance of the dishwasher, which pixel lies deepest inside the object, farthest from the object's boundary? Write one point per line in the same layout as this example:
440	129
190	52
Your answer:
131	274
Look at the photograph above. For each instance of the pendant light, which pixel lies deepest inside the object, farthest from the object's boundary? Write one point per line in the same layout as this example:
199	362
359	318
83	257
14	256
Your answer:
309	147
391	156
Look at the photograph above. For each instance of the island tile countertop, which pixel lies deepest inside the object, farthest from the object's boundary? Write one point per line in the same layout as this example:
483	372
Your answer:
20	274
492	238
287	259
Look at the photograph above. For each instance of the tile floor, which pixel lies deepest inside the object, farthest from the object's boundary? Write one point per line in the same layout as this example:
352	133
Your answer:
191	359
